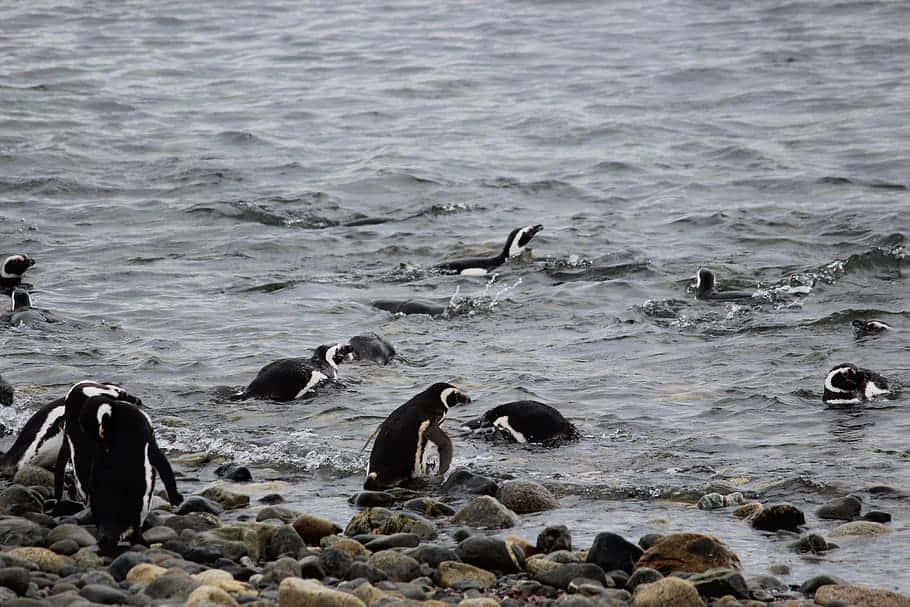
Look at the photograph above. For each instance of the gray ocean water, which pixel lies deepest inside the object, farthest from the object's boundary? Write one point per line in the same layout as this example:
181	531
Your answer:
209	188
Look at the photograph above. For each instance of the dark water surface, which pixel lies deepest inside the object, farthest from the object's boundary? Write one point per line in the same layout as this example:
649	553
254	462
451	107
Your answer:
208	189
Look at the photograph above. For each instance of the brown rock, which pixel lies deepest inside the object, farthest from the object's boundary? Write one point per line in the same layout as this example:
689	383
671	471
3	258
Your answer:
777	517
313	528
210	595
746	510
295	592
450	573
860	529
860	597
143	573
527	547
692	552
668	592
349	546
44	559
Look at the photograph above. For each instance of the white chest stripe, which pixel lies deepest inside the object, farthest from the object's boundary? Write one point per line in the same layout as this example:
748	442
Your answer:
419	459
103	410
474	272
503	422
149	486
38	442
315	378
873	390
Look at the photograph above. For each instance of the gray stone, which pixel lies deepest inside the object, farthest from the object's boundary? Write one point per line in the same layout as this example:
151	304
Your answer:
16	500
563	574
524	497
105	595
99	577
812	542
462	482
285	515
720	582
15	578
199	503
284	567
229	500
432	555
642	575
396	540
172	585
491	553
71	532
234	472
311	567
611	551
335	563
195	521
877	516
429	507
159	535
843	508
121	565
778	516
33	476
814	583
360	569
553	538
710	501
285	541
397	566
371	499
65	547
486	512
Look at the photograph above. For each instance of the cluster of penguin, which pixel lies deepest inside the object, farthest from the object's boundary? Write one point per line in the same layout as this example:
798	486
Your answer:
101	431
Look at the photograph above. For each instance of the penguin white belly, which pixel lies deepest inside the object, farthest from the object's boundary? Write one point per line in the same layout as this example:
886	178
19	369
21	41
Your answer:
420	453
474	272
315	378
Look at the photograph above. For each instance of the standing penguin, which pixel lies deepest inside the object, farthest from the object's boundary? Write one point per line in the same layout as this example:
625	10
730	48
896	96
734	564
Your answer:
400	451
40	439
478	266
11	271
125	459
291	378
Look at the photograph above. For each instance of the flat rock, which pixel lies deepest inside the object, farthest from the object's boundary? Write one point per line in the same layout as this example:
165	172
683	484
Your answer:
68	531
667	592
295	592
452	573
553	538
611	551
33	476
397	566
860	596
313	528
860	529
143	573
523	497
285	515
42	558
209	595
199	503
562	574
432	554
396	540
692	552
720	582
229	500
491	553
777	517
105	595
16	500
486	512
463	482
844	508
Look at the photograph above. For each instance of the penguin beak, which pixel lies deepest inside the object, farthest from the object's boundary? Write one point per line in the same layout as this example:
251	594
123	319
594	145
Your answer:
536	229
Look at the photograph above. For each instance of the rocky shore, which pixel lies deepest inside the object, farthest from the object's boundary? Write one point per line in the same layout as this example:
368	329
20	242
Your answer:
403	547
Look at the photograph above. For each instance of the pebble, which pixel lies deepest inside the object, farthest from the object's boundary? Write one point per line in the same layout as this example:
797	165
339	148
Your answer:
158	535
611	551
812	584
463	482
523	497
15	578
486	512
396	540
429	507
69	531
42	558
209	595
642	575
812	542
31	476
432	555
295	592
65	547
285	515
105	595
397	566
199	503
562	574
710	501
667	592
553	538
16	500
857	595
370	499
271	499
491	553
844	508
778	516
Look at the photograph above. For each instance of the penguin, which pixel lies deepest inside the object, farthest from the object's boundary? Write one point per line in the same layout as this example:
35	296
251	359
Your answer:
705	288
847	384
11	271
409	306
6	392
22	312
291	378
372	348
40	439
125	460
516	242
400	451
863	328
526	421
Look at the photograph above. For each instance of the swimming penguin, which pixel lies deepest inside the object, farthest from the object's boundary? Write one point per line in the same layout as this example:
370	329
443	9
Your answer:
400	451
75	447
409	306
126	458
516	242
526	421
705	288
372	348
6	393
863	328
11	271
847	384
291	378
40	439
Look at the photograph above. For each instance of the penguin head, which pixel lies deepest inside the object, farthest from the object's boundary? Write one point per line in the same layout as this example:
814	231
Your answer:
96	419
518	239
449	394
861	328
84	390
848	384
20	299
333	354
15	266
704	282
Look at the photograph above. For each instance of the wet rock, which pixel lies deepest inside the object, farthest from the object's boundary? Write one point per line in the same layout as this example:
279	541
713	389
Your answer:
71	532
553	538
692	552
42	558
311	567
175	585
285	541
844	508
812	542
285	567
209	595
222	539
396	540
362	570
486	512
228	499
859	529
223	580
538	565
99	577
65	547
159	535
778	516
15	578
710	501
202	554
312	528
857	595
234	472
33	476
371	499
432	555
611	551
335	563
285	515
491	553
195	521
562	574
523	497
294	592
720	582
408	523
199	503
271	499
746	510
105	595
814	583
667	592
642	575
649	539
88	558
877	517
16	500
734	499
397	566
450	574
462	482
429	507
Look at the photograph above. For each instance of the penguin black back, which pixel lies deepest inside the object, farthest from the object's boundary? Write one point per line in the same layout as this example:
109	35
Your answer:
291	378
38	442
399	451
409	306
516	242
706	288
527	421
371	347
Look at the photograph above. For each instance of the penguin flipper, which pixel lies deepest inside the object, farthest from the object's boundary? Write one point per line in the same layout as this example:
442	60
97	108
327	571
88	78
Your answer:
160	463
60	467
443	445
